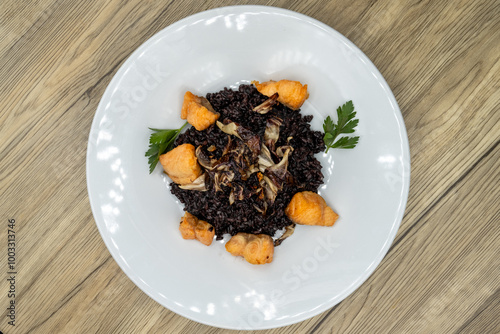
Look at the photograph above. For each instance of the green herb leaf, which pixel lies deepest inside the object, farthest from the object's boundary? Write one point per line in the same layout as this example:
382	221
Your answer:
160	142
328	125
345	124
346	142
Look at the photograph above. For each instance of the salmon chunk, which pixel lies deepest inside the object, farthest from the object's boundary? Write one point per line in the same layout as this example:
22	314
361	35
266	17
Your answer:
181	164
309	208
256	249
198	111
291	93
193	228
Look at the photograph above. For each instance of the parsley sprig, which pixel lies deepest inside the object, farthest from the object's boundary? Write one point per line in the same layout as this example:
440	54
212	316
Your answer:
345	124
161	141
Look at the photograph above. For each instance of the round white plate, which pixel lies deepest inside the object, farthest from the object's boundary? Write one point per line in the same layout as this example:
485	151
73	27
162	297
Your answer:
138	217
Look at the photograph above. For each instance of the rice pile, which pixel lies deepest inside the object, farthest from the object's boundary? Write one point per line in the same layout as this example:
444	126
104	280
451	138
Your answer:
241	216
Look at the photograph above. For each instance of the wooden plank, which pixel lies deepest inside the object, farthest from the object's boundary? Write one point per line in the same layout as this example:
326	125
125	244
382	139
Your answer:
485	318
442	276
440	58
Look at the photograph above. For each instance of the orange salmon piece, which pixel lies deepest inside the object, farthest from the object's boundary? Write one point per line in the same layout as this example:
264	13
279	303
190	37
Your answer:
309	208
198	111
291	93
193	228
256	249
181	164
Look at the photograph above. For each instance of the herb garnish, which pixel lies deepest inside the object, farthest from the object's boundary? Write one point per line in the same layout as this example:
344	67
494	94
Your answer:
345	124
161	141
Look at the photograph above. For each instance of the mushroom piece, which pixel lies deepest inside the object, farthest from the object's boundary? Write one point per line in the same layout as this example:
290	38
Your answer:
204	160
267	105
278	171
239	153
280	151
271	189
219	170
275	175
256	249
228	146
198	184
261	210
229	128
237	193
288	232
222	179
265	159
249	138
272	132
249	171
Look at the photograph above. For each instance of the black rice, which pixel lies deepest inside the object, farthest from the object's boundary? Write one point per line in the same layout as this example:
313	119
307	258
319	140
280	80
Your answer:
241	216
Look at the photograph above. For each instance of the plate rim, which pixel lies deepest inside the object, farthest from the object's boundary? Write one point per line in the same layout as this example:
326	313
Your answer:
406	180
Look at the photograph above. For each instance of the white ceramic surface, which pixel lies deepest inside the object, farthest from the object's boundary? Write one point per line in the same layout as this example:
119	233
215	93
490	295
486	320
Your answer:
138	217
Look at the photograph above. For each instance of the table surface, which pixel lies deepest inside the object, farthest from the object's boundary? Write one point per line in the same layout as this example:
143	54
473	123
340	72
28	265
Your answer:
442	61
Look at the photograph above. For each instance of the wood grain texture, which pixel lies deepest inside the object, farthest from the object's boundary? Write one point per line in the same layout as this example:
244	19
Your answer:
442	61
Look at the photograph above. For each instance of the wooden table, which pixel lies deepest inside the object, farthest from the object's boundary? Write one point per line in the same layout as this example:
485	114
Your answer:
442	61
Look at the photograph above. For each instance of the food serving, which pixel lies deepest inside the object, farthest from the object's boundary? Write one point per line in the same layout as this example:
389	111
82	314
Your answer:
247	165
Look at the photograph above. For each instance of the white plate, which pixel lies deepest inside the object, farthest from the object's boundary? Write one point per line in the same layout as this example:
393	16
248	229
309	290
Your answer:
138	218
